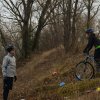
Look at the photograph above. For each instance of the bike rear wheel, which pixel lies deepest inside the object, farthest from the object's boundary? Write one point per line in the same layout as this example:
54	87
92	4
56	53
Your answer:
84	71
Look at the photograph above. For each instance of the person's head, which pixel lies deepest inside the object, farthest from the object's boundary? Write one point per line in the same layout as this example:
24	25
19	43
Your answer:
89	31
10	49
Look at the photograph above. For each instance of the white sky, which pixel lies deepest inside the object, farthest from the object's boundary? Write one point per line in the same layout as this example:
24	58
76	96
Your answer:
4	11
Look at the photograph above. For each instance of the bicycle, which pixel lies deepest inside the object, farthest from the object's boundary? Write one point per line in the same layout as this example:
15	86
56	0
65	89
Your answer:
85	69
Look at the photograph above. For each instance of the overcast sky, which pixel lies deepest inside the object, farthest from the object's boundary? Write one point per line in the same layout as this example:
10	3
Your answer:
4	12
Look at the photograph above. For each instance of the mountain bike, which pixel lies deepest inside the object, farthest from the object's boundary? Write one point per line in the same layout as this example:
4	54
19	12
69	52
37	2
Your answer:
85	69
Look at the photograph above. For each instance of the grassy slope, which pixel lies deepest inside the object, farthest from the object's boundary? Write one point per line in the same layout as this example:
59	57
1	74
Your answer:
35	80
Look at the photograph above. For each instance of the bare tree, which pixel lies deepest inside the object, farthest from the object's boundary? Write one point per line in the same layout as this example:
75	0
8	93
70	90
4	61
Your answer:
48	8
89	4
73	35
67	11
21	10
3	40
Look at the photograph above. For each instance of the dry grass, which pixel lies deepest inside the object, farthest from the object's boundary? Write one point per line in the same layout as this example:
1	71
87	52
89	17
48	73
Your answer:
35	80
79	88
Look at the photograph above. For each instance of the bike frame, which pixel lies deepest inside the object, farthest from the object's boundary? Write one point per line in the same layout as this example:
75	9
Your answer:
91	58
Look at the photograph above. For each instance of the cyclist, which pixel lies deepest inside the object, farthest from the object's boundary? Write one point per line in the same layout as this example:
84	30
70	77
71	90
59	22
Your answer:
8	71
93	41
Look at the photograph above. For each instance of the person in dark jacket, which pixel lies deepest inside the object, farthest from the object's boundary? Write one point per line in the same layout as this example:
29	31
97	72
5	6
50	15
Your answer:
93	41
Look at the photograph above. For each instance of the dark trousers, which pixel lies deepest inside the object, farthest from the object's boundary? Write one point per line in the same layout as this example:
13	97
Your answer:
7	85
97	59
5	94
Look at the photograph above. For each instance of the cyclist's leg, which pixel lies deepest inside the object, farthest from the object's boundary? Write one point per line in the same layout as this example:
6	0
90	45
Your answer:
97	59
97	72
97	65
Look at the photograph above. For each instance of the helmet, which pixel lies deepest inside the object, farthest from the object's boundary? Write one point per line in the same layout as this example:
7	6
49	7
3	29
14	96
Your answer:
90	30
9	48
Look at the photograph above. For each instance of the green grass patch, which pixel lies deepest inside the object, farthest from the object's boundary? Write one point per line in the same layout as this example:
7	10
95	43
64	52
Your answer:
78	88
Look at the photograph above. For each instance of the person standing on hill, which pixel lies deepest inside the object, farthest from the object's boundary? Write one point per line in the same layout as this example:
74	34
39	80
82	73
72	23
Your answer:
8	71
93	41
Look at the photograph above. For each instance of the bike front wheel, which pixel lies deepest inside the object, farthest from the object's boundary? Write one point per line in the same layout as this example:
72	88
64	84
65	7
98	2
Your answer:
84	71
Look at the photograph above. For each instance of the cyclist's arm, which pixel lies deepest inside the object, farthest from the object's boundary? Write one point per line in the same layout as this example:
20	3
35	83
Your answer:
89	45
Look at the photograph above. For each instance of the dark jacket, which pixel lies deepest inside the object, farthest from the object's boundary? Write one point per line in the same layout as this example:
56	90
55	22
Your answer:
92	41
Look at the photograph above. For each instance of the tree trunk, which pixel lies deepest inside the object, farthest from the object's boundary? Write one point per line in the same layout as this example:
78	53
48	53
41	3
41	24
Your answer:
67	25
25	39
36	38
73	35
4	43
41	23
89	14
25	30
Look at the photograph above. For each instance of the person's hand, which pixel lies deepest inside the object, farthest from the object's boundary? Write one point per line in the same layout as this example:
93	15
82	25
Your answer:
15	78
